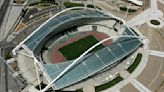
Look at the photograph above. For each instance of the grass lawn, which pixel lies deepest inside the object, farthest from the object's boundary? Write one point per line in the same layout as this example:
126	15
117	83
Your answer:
43	3
75	49
78	90
8	55
129	10
69	5
109	84
135	64
155	22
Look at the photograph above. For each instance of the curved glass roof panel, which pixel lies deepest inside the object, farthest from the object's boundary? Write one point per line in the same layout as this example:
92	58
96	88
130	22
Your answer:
91	64
51	25
94	63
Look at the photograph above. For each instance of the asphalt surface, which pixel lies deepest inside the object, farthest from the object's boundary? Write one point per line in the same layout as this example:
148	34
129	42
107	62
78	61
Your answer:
12	86
3	10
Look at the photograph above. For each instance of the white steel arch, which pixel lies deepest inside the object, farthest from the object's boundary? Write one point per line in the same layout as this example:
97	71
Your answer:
68	9
82	55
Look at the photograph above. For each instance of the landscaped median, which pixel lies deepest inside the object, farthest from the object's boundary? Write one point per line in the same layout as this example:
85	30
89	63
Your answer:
135	64
109	84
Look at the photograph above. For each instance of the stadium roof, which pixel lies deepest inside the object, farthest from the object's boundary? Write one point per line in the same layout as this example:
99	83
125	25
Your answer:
94	63
52	26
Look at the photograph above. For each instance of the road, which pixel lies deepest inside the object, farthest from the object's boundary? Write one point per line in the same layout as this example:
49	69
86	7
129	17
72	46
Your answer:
12	86
2	82
4	76
1	2
3	10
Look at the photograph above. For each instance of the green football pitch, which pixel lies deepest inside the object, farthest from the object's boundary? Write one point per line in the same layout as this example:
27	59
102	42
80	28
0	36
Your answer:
75	49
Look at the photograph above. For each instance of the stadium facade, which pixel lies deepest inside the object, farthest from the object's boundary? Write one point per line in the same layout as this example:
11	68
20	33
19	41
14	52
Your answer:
72	21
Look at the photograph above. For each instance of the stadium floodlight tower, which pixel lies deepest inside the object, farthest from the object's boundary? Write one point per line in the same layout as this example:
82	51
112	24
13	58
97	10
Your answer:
80	18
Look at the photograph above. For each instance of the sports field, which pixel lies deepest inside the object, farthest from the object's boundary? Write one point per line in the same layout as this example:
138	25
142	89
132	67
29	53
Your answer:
75	49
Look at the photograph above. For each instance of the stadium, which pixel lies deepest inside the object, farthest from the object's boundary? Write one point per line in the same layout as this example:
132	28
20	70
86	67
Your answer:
74	45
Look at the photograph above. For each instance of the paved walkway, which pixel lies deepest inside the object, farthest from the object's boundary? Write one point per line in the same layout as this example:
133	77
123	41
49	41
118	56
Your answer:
161	1
153	4
145	16
89	89
124	74
139	86
151	75
156	53
150	13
